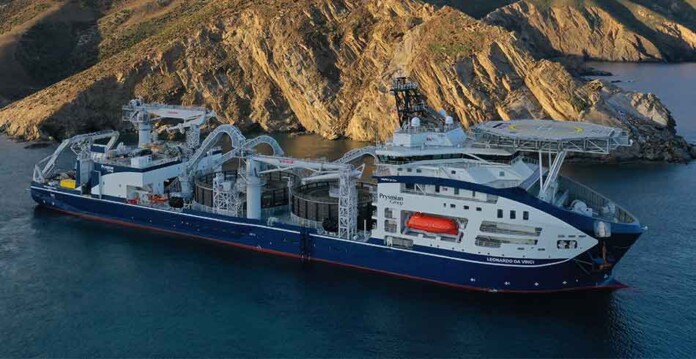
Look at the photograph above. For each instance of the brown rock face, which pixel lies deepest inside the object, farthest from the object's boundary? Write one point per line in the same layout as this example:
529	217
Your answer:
610	30
325	66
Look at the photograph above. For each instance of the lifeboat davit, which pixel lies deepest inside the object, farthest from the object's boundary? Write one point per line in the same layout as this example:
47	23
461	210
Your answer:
433	224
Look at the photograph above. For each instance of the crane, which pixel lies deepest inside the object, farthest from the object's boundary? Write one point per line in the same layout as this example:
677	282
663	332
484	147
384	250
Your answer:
79	145
142	115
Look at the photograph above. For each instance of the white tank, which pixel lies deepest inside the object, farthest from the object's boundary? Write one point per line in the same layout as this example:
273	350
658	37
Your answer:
144	130
415	122
253	195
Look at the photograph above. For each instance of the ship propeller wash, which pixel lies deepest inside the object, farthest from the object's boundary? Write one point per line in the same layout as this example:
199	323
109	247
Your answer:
485	209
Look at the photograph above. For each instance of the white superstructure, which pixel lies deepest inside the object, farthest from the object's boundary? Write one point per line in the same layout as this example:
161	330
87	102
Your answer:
437	170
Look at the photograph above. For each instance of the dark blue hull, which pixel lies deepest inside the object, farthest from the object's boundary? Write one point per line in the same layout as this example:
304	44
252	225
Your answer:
429	264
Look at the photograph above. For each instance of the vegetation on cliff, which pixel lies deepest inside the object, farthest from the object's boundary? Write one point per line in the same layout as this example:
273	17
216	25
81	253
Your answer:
325	66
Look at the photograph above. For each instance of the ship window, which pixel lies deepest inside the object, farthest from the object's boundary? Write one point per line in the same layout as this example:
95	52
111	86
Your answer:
502	174
454	172
456	191
478	209
418	170
388	213
437	189
400	169
452	205
567	244
495	242
389	226
409	170
466	207
525	215
513	214
500	213
410	186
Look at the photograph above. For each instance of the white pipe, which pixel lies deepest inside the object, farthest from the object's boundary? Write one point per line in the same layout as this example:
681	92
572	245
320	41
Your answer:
541	173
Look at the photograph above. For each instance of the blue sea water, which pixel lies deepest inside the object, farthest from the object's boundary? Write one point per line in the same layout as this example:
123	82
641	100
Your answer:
74	288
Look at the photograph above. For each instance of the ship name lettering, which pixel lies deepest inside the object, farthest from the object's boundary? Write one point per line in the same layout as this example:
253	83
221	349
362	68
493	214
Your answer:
510	260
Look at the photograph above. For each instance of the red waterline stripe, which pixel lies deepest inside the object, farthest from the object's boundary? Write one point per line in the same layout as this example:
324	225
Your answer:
295	256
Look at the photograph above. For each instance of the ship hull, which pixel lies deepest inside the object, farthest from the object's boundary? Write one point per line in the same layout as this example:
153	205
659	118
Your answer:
461	270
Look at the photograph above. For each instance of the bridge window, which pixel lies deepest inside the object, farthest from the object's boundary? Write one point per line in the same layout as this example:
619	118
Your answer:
456	191
500	213
525	215
437	189
513	214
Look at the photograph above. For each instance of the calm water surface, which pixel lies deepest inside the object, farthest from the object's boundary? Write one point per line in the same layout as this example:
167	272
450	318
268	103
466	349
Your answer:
70	287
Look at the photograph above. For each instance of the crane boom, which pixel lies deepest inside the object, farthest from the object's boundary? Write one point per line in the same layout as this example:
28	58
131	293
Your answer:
142	115
78	144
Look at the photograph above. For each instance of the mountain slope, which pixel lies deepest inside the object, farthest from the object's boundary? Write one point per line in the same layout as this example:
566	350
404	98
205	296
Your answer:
325	66
611	30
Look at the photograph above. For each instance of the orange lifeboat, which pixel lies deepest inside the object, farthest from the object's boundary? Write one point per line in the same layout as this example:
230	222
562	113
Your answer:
433	224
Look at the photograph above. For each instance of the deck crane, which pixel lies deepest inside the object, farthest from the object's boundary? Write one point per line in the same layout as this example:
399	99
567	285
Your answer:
80	145
143	115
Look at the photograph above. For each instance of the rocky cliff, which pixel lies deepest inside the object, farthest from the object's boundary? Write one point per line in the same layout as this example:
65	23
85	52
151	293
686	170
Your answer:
325	66
611	30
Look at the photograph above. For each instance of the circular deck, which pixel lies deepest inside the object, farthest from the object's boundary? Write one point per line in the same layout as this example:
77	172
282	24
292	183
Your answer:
552	135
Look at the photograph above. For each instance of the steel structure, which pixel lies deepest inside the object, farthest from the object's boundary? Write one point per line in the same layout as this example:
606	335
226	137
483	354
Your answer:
345	173
143	115
79	145
409	102
550	136
554	138
358	153
223	201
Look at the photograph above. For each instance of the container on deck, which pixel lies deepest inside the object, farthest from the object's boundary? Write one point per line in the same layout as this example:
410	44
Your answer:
68	183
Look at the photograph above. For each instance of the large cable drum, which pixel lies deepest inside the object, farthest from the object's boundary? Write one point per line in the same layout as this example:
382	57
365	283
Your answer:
315	203
275	190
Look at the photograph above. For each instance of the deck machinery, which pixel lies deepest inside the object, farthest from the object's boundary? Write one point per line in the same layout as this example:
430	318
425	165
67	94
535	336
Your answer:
478	210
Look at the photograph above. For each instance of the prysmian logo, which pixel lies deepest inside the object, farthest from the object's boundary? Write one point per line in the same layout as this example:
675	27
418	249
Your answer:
393	199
